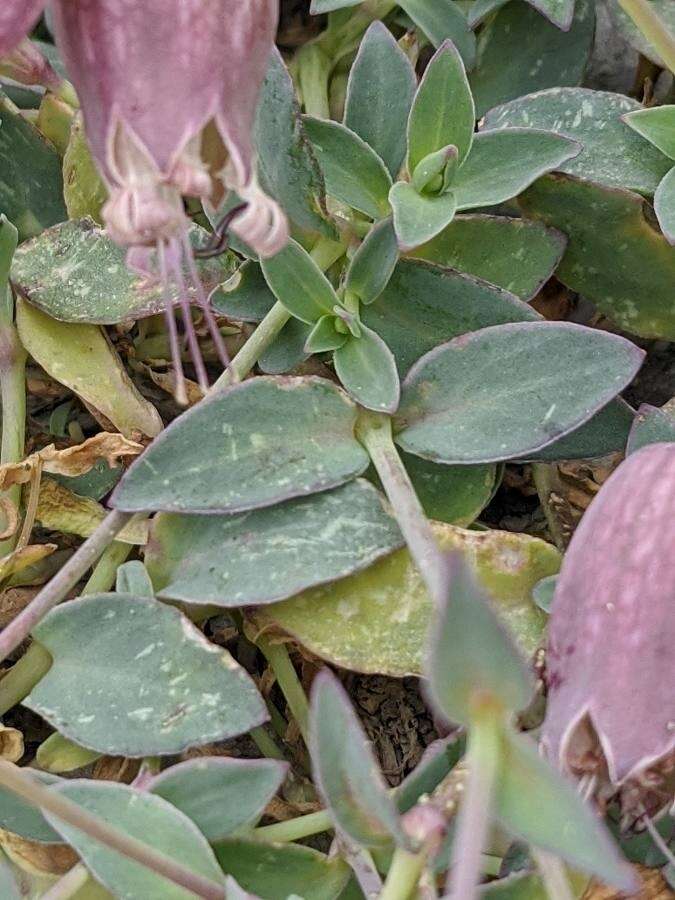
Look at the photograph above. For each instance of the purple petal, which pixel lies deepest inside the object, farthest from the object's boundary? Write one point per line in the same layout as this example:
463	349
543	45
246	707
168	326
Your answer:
612	628
17	18
27	65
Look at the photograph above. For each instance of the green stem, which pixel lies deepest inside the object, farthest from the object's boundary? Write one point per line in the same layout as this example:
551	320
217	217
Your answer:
266	743
553	875
13	398
104	573
313	68
374	432
473	823
288	681
296	829
66	579
261	339
23	676
653	28
19	782
544	477
403	875
69	885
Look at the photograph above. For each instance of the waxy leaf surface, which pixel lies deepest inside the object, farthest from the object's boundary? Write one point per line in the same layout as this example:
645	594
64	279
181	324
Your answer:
508	390
559	12
269	554
367	369
371	266
297	281
133	677
453	494
245	296
419	217
442	20
218	456
656	125
652	426
607	432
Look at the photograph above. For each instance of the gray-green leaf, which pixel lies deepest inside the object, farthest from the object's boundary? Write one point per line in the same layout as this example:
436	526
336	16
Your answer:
367	369
234	451
133	677
419	217
298	283
269	554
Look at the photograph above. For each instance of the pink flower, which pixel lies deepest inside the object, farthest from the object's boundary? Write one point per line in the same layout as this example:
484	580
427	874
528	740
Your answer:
157	81
611	669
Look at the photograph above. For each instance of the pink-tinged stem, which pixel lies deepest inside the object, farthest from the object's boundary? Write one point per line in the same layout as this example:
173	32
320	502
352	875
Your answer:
66	579
18	782
473	822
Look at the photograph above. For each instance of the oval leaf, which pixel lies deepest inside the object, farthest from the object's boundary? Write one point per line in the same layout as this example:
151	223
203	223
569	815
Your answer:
443	20
484	397
419	217
217	456
367	369
270	554
297	281
133	677
220	794
374	261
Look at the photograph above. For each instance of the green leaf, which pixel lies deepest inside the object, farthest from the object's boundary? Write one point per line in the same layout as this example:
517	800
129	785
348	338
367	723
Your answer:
418	217
287	350
539	54
516	886
608	232
424	305
354	172
503	163
560	822
377	621
297	281
8	242
435	173
652	426
345	770
287	167
133	578
19	817
75	273
508	390
557	11
606	432
471	653
442	20
443	111
453	494
317	7
543	592
220	794
373	263
84	191
664	206
133	677
324	336
245	296
82	358
31	184
218	456
367	369
380	91
279	871
612	154
273	553
629	30
486	246
148	819
656	125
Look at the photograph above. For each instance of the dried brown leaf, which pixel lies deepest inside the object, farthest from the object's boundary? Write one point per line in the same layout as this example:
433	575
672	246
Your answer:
11	744
59	509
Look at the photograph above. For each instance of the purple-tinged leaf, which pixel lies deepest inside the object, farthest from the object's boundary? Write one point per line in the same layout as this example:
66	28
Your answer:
346	771
507	390
612	628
